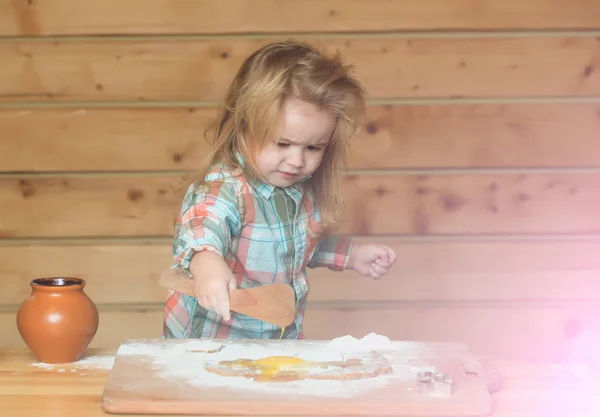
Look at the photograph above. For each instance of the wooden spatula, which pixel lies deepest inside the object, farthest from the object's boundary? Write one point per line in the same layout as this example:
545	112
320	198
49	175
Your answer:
271	303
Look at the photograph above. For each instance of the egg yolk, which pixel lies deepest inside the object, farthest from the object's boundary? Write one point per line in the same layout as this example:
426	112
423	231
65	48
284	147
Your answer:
269	367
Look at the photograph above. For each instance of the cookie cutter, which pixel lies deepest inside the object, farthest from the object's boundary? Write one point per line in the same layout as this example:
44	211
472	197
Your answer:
435	383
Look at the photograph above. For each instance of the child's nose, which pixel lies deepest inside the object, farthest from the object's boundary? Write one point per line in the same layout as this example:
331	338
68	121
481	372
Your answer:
296	159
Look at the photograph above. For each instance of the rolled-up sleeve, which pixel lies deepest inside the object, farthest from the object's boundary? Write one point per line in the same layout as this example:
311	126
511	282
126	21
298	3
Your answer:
208	218
332	252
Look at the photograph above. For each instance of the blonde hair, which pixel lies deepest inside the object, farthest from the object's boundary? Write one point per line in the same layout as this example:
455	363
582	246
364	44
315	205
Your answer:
252	111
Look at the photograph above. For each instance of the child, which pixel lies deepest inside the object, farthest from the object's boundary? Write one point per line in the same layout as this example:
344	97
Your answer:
267	201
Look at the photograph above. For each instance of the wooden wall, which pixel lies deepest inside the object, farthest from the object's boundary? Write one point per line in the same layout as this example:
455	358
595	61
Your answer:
479	164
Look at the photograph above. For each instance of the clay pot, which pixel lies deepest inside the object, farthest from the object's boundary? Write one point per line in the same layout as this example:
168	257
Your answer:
58	320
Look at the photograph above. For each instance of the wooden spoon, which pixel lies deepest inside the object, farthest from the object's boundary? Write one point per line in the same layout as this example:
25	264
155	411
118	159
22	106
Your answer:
271	303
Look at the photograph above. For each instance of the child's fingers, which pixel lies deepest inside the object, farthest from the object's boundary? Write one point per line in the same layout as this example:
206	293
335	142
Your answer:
378	269
387	259
215	298
207	302
204	302
223	299
232	285
381	253
221	304
391	255
385	255
382	264
374	273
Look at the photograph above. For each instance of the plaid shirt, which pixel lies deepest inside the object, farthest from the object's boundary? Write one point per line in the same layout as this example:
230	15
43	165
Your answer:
261	232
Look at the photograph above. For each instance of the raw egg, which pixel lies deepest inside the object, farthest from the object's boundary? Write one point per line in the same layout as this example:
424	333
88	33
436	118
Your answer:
290	368
270	368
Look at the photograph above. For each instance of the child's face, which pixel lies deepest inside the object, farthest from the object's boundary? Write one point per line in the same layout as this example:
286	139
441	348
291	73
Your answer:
298	148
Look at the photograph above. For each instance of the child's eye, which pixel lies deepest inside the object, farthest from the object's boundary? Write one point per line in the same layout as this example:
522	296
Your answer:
314	148
283	145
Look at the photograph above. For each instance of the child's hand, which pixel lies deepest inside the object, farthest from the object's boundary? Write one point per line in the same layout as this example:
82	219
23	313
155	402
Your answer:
371	259
212	281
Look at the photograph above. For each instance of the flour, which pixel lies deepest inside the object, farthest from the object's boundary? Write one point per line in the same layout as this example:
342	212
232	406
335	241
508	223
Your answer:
43	365
101	362
369	342
184	362
203	346
98	362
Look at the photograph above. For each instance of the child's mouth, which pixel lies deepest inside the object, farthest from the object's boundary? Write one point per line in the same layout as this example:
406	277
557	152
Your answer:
288	175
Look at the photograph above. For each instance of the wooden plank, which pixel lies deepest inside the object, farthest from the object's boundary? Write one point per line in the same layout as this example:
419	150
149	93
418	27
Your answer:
81	206
103	139
117	273
390	67
425	136
59	17
131	139
479	135
514	332
376	204
465	204
539	271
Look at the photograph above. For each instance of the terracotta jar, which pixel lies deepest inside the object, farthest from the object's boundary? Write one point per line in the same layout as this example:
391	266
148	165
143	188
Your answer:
58	320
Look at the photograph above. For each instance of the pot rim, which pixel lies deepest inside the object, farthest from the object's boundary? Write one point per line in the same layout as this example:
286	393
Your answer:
57	282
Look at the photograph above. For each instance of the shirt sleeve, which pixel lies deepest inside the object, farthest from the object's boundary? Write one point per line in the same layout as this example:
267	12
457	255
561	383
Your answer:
332	252
209	217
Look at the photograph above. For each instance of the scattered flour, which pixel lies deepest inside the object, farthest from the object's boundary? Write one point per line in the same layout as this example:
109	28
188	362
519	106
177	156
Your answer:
368	343
184	362
100	362
43	365
203	346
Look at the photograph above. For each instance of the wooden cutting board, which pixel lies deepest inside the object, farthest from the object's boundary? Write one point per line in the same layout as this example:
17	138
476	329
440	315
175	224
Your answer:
204	377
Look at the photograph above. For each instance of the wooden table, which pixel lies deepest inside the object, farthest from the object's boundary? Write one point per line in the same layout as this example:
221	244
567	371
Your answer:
29	389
